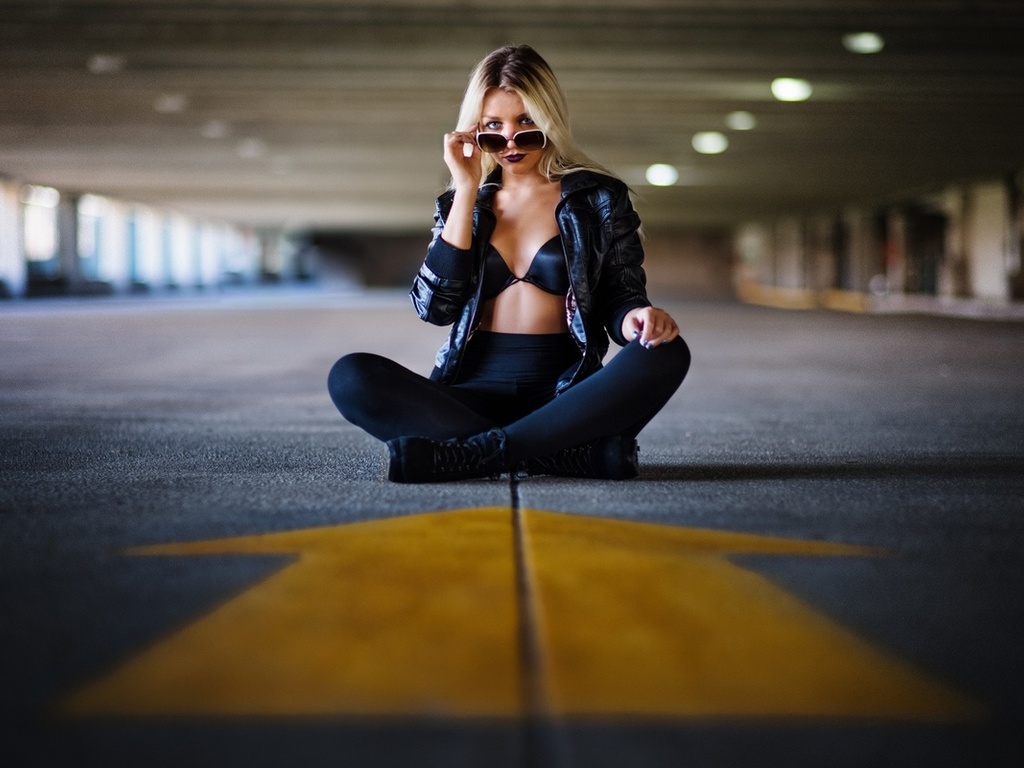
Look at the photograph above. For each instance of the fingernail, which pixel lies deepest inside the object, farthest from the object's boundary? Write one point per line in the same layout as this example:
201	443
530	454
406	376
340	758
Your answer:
649	345
635	334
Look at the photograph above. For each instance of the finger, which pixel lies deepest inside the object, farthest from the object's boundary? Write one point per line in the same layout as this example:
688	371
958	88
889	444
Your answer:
671	333
458	139
468	134
640	326
651	330
469	148
660	329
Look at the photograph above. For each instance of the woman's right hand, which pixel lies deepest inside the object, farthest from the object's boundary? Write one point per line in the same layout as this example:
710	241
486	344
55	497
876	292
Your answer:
462	156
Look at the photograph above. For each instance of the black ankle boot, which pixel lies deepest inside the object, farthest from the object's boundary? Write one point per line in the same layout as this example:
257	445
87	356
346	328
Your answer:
422	460
610	458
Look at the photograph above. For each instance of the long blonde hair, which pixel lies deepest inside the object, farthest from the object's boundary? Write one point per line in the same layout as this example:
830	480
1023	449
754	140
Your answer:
520	69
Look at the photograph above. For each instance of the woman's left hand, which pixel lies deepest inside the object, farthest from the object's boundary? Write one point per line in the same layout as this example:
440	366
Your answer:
650	326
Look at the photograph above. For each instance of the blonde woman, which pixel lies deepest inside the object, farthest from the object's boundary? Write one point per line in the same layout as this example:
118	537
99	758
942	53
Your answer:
535	261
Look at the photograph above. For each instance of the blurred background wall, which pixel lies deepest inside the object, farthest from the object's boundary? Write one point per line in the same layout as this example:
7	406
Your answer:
840	153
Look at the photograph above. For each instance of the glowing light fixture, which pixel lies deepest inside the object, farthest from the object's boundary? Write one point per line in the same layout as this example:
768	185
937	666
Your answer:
863	42
662	175
216	129
105	63
791	89
170	103
741	121
710	142
251	148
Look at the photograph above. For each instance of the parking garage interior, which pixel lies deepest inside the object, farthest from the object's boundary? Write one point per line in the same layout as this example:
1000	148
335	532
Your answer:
204	204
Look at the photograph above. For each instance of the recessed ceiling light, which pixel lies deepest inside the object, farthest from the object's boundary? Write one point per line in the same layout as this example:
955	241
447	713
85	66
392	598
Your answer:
169	103
251	148
662	175
741	121
791	89
105	63
710	142
215	129
863	42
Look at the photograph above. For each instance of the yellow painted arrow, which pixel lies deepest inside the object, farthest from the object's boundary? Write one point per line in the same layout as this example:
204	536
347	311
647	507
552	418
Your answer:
412	614
655	620
421	615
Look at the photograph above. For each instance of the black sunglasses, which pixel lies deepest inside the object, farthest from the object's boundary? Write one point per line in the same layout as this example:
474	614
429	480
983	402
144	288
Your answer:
527	140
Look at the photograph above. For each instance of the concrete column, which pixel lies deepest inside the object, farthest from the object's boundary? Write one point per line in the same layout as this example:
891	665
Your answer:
149	262
67	240
253	246
789	253
855	225
988	233
13	270
271	255
240	254
864	267
953	280
182	262
1015	252
209	256
112	263
821	261
896	252
753	248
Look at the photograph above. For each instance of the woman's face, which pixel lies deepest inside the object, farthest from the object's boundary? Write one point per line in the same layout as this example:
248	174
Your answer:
504	113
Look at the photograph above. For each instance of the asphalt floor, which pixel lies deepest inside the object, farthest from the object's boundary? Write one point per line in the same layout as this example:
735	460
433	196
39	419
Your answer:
201	563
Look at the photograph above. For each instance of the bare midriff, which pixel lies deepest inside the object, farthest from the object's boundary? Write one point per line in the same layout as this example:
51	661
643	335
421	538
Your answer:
524	308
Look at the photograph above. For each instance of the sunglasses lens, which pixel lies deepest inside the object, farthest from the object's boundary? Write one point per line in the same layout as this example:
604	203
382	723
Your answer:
491	142
529	139
496	142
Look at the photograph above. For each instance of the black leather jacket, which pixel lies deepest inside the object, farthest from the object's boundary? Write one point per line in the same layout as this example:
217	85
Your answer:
603	253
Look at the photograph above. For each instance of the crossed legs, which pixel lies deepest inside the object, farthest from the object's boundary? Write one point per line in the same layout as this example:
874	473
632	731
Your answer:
391	402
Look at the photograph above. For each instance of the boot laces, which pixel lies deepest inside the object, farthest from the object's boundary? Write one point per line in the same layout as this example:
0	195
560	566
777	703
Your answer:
577	460
458	456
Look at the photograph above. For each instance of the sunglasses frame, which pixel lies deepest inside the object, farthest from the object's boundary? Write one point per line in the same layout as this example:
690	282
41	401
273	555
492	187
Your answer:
505	141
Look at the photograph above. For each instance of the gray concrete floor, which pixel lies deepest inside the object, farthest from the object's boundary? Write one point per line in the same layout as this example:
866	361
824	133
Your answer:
137	421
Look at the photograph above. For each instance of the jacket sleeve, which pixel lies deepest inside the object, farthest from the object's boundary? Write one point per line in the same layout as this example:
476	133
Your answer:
623	283
443	284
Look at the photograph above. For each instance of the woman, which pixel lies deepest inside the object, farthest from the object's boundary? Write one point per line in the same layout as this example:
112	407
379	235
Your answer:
535	260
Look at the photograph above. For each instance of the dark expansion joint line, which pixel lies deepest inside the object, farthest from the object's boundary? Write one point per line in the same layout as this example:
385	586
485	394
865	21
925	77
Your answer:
543	742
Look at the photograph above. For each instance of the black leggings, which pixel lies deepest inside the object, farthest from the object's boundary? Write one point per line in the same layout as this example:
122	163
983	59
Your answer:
507	381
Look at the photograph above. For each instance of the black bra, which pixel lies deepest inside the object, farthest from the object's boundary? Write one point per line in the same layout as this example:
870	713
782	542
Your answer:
547	271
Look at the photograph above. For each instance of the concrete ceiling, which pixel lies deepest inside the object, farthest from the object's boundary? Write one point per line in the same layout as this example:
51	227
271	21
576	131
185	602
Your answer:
310	112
